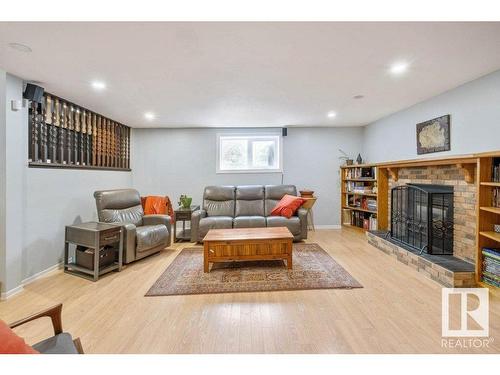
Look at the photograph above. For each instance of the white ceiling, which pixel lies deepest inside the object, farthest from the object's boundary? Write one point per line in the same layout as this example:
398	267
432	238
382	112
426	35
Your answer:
249	74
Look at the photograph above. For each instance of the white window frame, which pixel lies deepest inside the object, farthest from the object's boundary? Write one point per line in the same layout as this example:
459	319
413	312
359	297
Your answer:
255	136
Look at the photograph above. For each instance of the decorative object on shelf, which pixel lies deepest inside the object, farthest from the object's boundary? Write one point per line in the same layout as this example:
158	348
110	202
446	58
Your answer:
65	135
185	201
306	194
345	158
433	135
497	228
359	159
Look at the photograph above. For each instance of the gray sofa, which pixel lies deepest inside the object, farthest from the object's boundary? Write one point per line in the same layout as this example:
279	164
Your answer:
143	234
247	206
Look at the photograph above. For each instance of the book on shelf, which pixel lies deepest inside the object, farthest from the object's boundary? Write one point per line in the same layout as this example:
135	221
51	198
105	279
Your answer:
363	220
361	172
495	201
491	266
496	170
358	187
365	203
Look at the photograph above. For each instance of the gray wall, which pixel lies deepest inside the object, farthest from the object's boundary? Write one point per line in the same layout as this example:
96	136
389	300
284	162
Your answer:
3	161
183	161
38	203
475	123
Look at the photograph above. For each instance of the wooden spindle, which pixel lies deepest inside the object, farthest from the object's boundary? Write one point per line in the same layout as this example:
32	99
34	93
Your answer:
40	117
34	133
77	146
62	132
52	131
94	139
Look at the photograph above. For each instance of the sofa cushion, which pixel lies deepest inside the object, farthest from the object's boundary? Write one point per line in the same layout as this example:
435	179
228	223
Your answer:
219	200
287	206
10	343
274	193
214	222
249	222
249	200
58	344
293	224
149	236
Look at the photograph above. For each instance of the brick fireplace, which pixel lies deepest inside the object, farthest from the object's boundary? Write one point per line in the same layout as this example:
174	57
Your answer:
452	268
464	201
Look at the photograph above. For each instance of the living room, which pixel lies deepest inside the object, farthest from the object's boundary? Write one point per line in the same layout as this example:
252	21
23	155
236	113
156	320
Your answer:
250	187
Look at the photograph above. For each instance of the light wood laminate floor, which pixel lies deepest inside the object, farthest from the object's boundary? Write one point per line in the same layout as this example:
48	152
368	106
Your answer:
397	311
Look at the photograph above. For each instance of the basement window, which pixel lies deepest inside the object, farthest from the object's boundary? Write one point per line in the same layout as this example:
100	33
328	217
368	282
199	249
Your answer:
249	153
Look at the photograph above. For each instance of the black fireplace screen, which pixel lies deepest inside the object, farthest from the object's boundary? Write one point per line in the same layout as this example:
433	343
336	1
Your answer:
422	217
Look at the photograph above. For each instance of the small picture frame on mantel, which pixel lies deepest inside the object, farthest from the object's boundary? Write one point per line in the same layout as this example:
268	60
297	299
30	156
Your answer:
433	135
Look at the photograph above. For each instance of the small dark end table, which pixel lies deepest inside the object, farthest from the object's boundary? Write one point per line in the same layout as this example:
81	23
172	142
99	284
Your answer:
95	236
183	214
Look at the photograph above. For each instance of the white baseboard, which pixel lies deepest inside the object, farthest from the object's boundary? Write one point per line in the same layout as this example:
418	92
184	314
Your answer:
40	274
10	293
29	280
328	226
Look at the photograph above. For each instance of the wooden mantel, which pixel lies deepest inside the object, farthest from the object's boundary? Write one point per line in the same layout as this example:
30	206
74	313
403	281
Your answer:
466	162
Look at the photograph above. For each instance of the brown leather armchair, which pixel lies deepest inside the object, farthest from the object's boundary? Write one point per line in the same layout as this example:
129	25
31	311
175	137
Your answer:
143	234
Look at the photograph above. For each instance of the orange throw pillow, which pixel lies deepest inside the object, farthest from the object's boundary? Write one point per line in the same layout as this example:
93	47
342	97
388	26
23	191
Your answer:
10	343
287	206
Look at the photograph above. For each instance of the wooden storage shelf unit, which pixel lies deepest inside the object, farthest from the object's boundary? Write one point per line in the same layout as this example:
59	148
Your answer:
377	183
487	214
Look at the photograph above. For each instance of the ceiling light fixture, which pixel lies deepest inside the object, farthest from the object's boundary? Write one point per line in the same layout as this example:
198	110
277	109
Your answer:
358	96
149	116
20	47
331	114
399	68
98	85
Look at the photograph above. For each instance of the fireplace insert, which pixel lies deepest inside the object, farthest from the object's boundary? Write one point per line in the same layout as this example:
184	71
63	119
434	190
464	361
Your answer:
422	217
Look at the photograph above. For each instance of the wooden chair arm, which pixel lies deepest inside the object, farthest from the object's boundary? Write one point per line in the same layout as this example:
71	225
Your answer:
54	313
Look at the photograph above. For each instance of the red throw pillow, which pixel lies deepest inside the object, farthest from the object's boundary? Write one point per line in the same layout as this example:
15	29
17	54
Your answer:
10	343
287	206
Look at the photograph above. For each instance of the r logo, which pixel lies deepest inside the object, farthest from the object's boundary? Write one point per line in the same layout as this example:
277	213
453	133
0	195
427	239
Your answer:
480	315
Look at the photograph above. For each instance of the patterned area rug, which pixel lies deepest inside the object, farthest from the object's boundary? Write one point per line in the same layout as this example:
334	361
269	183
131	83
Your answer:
313	268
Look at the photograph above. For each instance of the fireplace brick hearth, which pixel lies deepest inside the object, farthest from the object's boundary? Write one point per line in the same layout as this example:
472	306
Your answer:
447	270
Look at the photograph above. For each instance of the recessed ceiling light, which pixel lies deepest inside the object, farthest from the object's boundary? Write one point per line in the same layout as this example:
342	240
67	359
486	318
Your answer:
98	85
331	114
399	67
358	96
20	47
149	116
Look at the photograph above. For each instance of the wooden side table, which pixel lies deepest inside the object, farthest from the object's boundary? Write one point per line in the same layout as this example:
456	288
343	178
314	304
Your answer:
94	236
308	205
183	214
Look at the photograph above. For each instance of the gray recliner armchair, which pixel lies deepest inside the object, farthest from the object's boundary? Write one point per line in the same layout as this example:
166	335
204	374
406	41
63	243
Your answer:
246	206
143	234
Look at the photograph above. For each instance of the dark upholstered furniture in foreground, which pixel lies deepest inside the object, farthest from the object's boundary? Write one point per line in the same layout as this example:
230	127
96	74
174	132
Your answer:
61	342
247	206
143	234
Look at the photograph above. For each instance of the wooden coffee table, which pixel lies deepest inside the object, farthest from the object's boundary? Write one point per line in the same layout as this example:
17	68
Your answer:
240	244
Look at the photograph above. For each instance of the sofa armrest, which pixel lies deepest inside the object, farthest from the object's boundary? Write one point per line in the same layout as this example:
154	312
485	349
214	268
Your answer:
196	216
129	232
302	214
